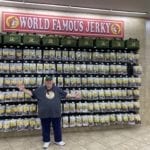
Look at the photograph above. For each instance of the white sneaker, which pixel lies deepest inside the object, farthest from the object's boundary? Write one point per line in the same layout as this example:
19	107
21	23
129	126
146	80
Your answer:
61	143
46	145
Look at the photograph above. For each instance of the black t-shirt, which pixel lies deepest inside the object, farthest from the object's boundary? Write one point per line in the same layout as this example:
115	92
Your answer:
49	107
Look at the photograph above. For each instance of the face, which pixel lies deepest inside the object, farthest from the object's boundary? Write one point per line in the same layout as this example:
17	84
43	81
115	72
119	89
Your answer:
49	84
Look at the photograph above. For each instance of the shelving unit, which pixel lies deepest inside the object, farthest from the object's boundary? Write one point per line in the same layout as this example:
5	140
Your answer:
109	73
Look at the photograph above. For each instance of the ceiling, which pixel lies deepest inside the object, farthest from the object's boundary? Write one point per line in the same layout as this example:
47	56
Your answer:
123	5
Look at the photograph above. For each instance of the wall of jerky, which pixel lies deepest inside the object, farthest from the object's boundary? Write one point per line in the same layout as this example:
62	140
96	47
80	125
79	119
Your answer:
107	72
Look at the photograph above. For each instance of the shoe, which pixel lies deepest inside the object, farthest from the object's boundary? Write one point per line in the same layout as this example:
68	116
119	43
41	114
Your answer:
46	145
61	143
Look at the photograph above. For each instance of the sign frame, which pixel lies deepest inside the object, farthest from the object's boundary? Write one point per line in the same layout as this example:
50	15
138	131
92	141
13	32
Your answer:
87	23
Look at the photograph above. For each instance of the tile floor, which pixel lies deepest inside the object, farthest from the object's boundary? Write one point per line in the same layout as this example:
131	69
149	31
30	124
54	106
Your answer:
113	139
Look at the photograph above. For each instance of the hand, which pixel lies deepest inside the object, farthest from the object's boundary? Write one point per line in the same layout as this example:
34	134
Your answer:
21	87
77	95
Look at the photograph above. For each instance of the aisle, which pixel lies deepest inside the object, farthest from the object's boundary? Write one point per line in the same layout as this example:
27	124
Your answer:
122	139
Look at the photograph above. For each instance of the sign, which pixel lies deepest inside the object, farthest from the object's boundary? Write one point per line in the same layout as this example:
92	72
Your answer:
60	25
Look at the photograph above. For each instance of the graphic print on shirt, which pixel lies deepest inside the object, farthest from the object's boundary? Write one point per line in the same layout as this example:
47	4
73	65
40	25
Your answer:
50	95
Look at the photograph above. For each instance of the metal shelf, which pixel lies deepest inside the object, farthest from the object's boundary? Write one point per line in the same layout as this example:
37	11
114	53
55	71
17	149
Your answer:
17	116
67	61
99	113
65	74
18	102
77	87
70	74
73	113
71	100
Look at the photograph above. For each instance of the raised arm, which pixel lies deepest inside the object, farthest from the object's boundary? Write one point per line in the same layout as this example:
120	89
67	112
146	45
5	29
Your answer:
22	88
76	95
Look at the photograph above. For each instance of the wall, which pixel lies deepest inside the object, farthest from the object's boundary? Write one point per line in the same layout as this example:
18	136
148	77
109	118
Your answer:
146	78
135	28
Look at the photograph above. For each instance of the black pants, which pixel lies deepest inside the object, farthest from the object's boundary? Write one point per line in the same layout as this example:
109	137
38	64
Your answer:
46	125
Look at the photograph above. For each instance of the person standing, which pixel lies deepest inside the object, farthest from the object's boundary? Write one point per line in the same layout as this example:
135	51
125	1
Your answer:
49	108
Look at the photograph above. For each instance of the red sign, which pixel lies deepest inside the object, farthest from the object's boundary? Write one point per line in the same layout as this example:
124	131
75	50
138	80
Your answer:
43	24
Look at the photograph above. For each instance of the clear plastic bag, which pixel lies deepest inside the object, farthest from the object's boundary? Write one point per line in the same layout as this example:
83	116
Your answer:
83	68
65	55
20	96
60	81
67	81
52	68
90	107
107	57
96	119
26	53
38	54
7	81
85	107
95	68
78	121
26	67
46	54
101	94
38	124
95	94
2	96
1	53
72	55
113	118
90	68
33	68
59	68
84	56
112	57
19	54
23	123
1	81
90	81
6	125
78	56
72	107
137	70
77	68
102	106
84	81
39	68
90	120
32	122
58	54
66	68
5	53
96	56
96	106
46	68
72	68
12	53
66	108
79	107
32	54
18	67
1	125
85	120
5	67
52	55
78	81
65	122
72	121
2	110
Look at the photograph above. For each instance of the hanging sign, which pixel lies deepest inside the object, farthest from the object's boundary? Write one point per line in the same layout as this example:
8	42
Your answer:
60	25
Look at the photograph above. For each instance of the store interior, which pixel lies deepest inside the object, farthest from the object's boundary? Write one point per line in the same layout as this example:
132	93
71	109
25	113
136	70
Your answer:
102	52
